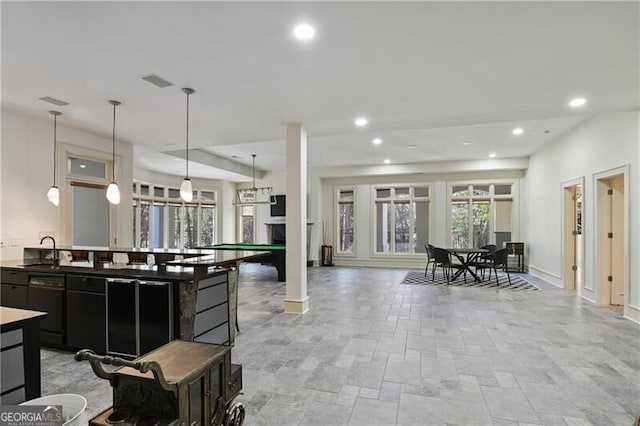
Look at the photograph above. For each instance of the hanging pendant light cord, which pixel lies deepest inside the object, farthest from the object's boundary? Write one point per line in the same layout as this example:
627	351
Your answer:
187	155
254	172
55	147
113	150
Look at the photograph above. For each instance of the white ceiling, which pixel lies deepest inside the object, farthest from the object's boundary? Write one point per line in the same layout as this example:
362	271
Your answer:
429	74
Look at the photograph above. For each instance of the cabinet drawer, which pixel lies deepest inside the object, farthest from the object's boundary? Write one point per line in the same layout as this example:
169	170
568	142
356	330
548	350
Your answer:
12	368
210	319
14	295
10	338
13	398
217	336
14	277
211	296
216	279
86	284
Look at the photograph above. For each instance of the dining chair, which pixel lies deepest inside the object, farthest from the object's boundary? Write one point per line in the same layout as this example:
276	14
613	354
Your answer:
430	259
443	260
482	262
499	260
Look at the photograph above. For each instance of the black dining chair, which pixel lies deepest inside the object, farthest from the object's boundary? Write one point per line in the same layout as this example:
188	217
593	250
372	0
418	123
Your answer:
430	259
483	260
499	260
443	260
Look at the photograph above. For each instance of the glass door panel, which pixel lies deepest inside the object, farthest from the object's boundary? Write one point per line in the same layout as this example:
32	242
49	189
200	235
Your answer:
481	221
460	224
402	230
383	227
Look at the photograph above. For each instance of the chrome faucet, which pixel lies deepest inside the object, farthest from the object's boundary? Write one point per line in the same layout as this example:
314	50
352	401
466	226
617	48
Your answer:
55	252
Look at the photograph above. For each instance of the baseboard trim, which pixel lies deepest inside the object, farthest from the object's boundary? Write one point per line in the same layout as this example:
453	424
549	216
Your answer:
632	313
380	263
296	306
547	276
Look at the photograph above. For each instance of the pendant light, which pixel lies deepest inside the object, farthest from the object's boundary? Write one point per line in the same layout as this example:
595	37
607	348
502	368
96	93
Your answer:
253	195
53	195
113	193
186	190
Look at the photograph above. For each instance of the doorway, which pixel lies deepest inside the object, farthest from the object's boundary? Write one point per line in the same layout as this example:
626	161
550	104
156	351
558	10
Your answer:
611	240
573	247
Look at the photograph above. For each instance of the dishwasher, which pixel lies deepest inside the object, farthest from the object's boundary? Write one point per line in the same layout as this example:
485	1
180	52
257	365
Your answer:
46	294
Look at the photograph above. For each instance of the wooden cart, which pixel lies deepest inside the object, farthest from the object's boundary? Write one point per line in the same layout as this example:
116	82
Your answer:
181	383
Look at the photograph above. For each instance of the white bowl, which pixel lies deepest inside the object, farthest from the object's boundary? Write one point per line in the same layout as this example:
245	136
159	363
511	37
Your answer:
73	406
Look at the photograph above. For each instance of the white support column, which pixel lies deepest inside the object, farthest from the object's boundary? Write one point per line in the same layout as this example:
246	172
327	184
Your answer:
296	300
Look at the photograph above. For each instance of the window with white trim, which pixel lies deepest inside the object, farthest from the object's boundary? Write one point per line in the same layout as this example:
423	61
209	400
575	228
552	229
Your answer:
401	219
161	219
481	214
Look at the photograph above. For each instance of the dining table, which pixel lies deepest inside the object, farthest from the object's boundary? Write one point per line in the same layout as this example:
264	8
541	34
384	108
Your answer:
467	256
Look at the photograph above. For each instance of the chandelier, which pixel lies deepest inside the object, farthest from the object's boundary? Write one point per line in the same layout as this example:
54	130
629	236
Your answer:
253	195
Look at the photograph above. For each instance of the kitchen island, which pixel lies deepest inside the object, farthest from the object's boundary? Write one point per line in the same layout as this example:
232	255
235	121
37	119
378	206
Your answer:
20	355
125	308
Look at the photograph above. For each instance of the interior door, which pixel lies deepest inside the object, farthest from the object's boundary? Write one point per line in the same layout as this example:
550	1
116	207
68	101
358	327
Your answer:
616	193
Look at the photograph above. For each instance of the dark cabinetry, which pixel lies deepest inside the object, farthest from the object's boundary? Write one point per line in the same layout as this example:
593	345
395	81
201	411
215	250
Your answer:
139	316
86	313
155	314
14	289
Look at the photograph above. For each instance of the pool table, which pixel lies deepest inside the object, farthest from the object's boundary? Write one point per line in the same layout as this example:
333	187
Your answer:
277	254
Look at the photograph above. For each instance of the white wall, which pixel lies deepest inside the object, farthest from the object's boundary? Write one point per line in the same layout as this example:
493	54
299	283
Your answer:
599	144
26	172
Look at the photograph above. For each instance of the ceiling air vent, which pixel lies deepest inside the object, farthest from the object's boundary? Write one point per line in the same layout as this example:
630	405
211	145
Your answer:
157	81
54	101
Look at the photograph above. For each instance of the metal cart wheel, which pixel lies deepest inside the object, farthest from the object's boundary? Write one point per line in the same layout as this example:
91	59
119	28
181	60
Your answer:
234	415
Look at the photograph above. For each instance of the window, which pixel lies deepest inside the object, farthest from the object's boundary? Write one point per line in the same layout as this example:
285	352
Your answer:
481	214
346	223
162	220
401	219
247	223
207	225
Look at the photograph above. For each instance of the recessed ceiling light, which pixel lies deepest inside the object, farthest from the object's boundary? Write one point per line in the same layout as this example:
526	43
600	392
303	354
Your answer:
577	102
376	141
304	32
83	166
518	131
492	155
361	122
412	147
157	81
465	143
54	101
387	161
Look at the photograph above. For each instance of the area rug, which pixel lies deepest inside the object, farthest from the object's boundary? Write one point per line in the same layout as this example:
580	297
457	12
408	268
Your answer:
517	282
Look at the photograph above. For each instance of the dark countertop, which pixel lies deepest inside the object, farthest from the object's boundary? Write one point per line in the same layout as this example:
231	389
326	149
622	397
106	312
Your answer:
176	270
117	271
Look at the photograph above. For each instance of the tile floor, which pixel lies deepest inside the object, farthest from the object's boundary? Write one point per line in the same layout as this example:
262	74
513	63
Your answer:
374	352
